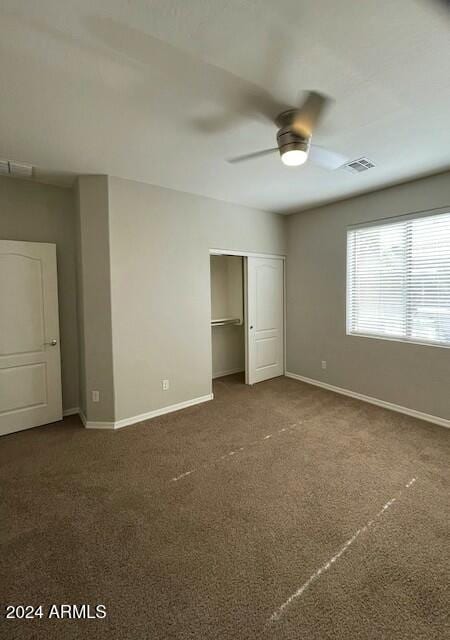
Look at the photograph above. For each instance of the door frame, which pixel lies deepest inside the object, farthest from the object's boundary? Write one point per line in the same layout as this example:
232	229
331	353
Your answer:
245	255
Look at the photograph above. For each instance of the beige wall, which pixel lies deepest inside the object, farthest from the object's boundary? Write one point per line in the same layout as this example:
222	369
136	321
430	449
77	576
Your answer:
94	283
41	213
143	268
410	375
160	270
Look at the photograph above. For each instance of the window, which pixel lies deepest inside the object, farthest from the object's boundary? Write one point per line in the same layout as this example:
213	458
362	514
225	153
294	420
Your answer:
398	279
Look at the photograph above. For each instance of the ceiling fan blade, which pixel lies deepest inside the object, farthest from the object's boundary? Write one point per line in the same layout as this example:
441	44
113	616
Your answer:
445	4
310	112
256	104
325	158
251	156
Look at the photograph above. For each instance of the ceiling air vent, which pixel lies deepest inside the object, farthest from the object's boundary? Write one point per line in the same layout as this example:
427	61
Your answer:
20	169
359	165
17	169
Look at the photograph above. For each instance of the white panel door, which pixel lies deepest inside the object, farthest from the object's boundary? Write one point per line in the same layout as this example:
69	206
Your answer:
30	367
265	318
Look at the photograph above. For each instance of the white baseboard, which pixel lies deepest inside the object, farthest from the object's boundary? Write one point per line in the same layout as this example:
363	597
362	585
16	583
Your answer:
71	412
94	425
443	422
99	425
125	422
230	372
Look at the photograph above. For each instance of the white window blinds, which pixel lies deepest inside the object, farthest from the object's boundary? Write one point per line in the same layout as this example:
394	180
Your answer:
398	279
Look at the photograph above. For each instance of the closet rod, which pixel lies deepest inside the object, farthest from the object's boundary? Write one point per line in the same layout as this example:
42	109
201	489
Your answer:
224	321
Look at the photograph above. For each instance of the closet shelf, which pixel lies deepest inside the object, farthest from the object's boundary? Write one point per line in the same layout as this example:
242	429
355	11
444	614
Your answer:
220	322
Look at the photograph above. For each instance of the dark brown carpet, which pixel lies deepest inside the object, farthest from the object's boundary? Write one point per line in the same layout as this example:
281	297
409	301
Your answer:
95	517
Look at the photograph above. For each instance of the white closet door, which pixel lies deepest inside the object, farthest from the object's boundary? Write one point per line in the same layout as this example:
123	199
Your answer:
265	318
30	368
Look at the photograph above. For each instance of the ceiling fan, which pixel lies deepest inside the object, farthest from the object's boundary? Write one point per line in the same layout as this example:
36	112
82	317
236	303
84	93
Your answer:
295	128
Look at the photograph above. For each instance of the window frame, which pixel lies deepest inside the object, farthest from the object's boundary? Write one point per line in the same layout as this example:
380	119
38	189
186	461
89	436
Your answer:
379	222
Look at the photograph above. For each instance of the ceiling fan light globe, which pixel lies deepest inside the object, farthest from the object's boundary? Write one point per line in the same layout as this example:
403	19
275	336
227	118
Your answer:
294	157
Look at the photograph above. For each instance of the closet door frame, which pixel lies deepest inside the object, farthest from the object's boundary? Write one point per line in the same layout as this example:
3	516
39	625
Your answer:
245	255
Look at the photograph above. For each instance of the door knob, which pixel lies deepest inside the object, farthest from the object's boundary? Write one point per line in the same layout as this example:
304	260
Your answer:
52	342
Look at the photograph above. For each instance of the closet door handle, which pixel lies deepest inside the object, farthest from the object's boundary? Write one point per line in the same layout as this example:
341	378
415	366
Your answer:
251	326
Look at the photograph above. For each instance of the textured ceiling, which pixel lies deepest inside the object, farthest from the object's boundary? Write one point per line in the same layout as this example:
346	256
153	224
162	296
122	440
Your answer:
164	91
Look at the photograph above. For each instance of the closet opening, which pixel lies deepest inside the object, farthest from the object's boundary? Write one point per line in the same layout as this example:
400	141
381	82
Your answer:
247	315
227	315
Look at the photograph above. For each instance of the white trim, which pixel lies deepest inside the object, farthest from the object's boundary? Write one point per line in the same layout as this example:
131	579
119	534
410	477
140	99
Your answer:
95	425
125	422
246	344
284	318
230	372
245	254
100	425
71	412
443	422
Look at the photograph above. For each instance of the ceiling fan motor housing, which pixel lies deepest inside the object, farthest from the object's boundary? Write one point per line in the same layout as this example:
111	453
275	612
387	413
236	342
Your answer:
288	140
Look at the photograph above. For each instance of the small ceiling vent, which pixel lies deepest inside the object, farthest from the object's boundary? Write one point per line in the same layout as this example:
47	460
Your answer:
359	165
20	169
17	169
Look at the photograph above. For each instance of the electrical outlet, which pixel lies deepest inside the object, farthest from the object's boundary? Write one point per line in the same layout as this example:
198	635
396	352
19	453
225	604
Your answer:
96	396
165	385
324	364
